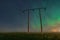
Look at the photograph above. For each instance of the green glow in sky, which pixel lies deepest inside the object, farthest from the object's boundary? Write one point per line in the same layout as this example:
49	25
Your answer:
52	16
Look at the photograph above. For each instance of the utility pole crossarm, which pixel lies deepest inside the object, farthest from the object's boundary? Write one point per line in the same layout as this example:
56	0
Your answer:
33	9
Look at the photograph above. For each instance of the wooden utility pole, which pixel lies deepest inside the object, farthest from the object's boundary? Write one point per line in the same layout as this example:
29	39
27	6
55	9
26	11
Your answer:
40	19
28	20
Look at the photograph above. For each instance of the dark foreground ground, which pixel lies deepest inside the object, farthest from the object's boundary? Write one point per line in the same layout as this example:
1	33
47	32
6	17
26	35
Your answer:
29	36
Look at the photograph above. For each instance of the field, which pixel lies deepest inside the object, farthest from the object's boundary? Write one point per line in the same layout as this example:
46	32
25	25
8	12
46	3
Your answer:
29	36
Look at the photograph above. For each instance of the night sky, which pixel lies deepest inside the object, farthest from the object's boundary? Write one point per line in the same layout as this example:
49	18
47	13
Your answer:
13	20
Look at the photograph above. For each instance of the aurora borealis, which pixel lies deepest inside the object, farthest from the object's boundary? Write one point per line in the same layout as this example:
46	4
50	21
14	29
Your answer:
13	20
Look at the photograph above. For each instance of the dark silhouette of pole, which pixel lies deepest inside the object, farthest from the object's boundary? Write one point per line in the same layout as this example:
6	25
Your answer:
40	19
28	20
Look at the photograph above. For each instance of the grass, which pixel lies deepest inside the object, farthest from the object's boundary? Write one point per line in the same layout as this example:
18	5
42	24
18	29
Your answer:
29	36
